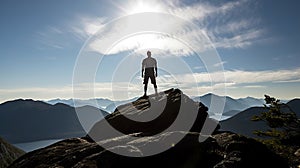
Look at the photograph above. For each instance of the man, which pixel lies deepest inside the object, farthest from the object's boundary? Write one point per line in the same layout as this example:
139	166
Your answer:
149	66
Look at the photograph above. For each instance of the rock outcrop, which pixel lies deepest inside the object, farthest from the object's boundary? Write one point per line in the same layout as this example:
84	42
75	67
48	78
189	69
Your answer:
8	153
148	122
170	110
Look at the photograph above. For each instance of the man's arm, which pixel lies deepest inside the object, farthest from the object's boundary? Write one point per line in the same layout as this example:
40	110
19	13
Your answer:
143	68
155	68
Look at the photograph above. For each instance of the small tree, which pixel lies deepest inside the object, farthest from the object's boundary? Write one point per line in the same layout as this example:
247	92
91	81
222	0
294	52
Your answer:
284	129
280	118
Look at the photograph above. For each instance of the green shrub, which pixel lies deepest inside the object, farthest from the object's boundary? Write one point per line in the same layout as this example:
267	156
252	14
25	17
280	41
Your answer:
283	132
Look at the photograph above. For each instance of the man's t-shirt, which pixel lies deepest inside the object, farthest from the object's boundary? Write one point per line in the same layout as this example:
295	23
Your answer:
149	64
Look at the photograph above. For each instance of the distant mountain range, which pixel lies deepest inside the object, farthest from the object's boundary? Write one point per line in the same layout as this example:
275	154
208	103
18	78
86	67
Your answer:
99	103
241	123
28	120
104	104
232	106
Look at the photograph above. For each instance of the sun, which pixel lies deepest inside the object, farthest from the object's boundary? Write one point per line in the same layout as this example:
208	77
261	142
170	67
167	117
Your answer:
142	6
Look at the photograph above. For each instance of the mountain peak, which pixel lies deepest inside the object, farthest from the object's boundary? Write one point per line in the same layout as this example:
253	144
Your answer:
19	103
152	114
19	100
29	120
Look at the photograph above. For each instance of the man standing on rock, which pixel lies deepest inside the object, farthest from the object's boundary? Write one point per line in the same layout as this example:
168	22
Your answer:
149	66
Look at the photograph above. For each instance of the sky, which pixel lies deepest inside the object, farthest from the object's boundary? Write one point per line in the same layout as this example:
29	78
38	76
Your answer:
51	49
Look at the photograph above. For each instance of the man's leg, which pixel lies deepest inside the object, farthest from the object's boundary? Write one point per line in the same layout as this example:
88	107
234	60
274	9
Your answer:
153	81
146	78
145	89
155	88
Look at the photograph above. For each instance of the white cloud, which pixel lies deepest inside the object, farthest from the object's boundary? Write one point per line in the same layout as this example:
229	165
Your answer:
198	67
242	40
223	24
288	81
60	37
235	32
254	86
36	93
49	38
191	84
220	64
248	77
234	26
235	79
262	76
85	27
200	11
196	12
144	41
201	83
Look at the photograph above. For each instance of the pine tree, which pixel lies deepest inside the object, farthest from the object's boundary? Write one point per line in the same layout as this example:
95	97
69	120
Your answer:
284	129
281	119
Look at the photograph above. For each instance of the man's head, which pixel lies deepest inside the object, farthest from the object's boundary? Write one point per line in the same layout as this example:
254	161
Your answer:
149	53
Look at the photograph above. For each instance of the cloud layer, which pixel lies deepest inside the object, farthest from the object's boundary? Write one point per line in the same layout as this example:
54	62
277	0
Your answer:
228	25
124	90
224	24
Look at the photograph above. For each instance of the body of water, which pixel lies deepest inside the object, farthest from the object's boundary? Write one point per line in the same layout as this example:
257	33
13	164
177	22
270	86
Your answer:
30	146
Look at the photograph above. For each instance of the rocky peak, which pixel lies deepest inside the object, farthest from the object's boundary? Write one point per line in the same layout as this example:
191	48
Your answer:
8	153
170	110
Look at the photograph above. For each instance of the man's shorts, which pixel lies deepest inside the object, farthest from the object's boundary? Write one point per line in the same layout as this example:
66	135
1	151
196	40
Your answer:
149	73
152	78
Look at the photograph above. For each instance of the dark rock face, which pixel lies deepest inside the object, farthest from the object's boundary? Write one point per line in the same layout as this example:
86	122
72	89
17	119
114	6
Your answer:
8	153
153	115
223	150
220	150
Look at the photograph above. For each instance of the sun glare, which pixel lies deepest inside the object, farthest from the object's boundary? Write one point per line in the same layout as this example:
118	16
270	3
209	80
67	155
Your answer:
143	6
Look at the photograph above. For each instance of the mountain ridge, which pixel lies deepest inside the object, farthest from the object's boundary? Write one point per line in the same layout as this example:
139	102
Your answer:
29	120
241	123
232	106
239	104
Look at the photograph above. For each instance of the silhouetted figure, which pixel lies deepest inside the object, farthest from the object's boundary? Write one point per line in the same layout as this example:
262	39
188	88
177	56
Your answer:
149	66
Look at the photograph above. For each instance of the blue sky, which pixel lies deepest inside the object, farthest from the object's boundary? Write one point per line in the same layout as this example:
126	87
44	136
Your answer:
257	41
